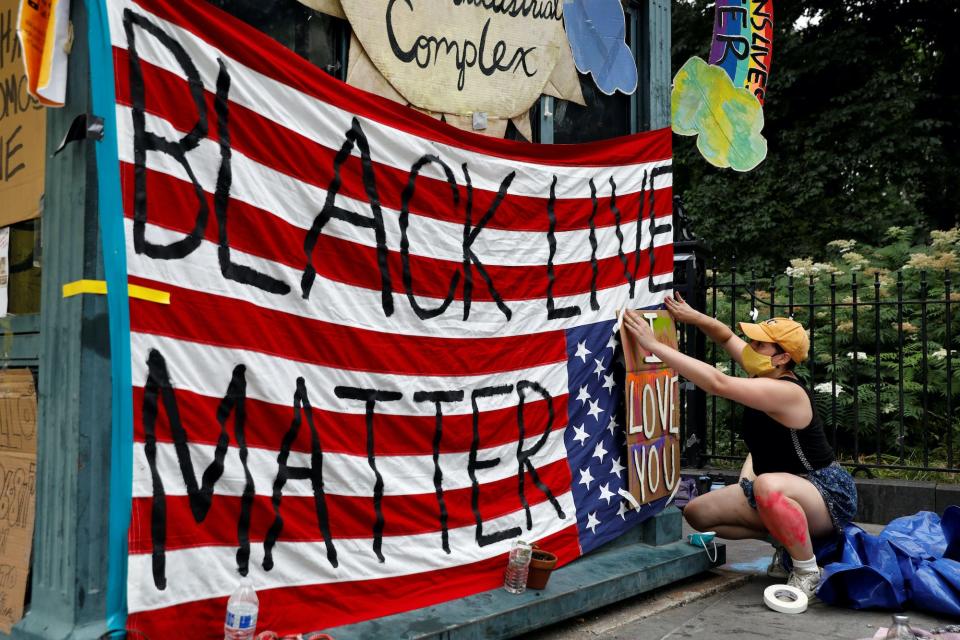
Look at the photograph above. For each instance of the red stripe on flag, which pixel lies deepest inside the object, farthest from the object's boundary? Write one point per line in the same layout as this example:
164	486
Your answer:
249	47
350	516
395	435
238	324
358	265
293	610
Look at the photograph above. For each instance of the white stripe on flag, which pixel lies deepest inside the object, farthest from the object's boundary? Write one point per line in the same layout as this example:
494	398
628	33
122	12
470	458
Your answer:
343	474
274	379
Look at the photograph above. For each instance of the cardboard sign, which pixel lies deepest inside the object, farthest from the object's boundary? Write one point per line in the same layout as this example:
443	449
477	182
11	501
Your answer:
18	462
653	413
653	433
44	32
23	126
636	358
457	57
743	43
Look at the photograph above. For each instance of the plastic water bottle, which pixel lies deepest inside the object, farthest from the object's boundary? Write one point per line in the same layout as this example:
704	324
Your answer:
901	629
242	609
518	565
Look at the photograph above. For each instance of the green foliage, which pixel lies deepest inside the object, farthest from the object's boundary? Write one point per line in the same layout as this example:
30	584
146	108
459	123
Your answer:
862	119
856	342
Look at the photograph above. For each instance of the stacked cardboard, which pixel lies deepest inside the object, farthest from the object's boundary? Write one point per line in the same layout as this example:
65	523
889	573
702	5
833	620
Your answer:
18	463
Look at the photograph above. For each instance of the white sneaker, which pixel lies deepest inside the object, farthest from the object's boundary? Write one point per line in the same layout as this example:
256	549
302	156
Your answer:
807	581
776	570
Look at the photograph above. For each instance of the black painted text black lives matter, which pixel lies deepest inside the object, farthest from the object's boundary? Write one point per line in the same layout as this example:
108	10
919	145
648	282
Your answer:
160	396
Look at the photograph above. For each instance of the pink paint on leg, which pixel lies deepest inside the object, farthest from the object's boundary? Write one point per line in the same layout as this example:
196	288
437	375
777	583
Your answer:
786	522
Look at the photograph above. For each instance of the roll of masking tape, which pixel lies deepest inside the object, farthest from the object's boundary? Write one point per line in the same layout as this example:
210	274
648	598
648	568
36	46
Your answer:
785	599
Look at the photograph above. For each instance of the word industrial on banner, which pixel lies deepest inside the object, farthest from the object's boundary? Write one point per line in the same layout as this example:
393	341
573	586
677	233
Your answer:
743	43
653	426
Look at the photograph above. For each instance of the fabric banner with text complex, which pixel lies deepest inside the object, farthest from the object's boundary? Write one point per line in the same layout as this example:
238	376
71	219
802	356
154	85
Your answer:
389	348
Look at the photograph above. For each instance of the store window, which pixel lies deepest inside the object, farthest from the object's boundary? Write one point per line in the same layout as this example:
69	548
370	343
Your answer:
312	35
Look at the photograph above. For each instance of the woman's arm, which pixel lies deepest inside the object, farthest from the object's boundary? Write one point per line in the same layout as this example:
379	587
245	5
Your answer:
711	327
765	394
746	471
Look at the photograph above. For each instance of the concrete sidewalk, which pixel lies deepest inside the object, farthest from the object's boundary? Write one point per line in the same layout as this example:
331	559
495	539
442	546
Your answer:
725	603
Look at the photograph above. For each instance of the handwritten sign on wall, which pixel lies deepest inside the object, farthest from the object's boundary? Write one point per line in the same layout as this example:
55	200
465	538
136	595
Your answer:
22	128
455	56
653	414
18	462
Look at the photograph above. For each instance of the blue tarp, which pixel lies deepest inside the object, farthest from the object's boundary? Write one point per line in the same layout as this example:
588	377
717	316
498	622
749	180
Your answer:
913	563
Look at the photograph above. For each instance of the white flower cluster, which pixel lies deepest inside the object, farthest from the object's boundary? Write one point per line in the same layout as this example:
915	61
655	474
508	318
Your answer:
859	355
804	267
842	245
827	387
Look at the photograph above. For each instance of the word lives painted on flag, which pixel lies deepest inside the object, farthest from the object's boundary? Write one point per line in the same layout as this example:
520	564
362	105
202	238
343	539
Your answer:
389	350
653	421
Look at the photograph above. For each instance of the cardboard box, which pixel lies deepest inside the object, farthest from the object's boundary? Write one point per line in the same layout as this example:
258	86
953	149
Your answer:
18	463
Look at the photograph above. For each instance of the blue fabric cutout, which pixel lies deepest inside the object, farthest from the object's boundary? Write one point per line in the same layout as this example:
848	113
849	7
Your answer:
596	30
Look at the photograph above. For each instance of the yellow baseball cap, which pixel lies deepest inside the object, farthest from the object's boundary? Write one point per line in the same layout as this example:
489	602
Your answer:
789	334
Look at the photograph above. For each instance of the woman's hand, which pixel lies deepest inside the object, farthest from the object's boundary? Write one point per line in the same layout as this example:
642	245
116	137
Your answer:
640	329
680	310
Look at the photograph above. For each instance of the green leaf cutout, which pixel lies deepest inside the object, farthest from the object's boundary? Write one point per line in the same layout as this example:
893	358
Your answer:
727	119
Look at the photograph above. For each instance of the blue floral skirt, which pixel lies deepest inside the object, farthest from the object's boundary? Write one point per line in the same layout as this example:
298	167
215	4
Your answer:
836	486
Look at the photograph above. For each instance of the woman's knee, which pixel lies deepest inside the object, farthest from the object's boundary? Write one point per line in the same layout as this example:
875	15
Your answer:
697	514
766	484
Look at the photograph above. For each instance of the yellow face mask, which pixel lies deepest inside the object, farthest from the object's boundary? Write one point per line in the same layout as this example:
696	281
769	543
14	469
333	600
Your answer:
756	364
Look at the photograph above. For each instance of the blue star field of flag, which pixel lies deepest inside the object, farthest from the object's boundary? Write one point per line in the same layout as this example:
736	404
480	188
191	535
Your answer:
595	436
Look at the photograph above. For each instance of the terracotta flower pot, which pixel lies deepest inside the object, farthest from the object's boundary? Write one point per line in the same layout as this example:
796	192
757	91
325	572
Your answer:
541	565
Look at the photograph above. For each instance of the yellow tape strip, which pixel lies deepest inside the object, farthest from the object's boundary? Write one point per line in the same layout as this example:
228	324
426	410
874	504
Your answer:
99	287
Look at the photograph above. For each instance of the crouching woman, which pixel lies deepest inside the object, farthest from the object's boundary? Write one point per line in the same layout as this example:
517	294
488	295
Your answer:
791	487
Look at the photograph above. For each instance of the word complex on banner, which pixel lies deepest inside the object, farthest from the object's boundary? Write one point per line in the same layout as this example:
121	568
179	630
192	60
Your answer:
389	347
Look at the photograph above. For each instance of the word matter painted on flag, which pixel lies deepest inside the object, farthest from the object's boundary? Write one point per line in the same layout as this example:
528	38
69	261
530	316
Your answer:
389	348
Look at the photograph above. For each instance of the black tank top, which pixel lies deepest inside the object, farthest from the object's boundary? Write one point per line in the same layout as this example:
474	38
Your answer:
776	448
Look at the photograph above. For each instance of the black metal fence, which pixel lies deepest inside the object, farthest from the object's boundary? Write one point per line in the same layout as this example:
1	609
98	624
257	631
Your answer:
883	361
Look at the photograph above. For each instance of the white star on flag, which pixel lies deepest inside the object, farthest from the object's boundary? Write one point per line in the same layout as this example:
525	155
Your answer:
613	425
622	512
592	522
583	395
581	434
612	342
608	383
617	468
599	451
605	493
585	477
582	351
595	410
601	368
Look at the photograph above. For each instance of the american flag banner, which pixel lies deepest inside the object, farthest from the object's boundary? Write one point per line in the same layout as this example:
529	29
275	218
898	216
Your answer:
389	350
